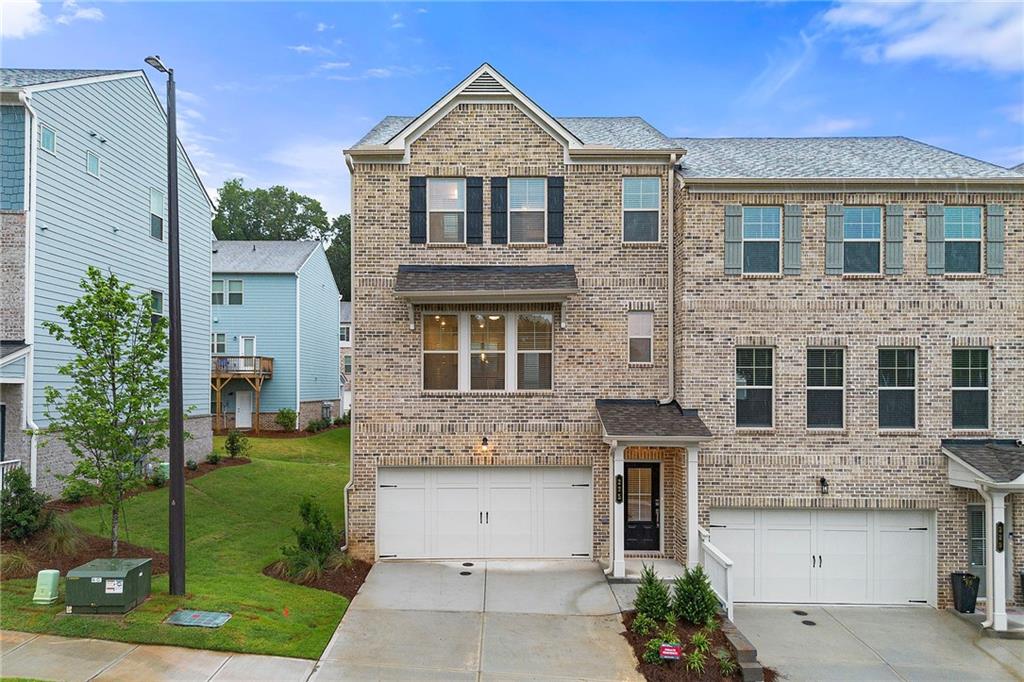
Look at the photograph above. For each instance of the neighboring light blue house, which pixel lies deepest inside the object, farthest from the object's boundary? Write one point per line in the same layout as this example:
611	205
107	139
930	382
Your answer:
275	334
83	179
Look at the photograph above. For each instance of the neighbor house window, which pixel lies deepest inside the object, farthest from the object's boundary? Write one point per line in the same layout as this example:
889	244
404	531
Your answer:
533	351
235	291
218	344
762	230
487	352
862	239
825	387
348	365
217	292
897	388
156	302
527	210
641	209
156	214
446	210
47	139
970	388
441	352
963	238
754	387
641	337
92	164
345	333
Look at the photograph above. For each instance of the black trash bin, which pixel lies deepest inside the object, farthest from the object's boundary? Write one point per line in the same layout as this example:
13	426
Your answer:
965	591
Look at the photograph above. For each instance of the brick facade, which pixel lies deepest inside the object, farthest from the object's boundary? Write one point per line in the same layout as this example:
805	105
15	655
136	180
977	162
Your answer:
12	276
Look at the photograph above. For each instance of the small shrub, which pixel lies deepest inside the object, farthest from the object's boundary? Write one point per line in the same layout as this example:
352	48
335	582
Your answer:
694	662
317	425
192	465
62	538
237	444
339	560
77	490
286	418
652	653
316	542
15	563
346	418
652	597
21	508
214	457
157	478
643	624
693	599
700	642
338	421
726	663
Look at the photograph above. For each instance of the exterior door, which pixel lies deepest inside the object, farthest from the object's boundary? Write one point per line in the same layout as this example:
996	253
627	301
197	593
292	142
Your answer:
976	544
643	506
247	349
243	409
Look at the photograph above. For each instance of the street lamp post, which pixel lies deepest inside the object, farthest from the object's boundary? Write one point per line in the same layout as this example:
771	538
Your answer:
176	516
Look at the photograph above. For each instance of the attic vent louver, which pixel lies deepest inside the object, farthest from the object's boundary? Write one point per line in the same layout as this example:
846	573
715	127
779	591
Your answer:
486	84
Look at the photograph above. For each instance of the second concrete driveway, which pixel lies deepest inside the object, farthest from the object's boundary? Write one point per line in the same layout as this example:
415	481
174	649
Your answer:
487	621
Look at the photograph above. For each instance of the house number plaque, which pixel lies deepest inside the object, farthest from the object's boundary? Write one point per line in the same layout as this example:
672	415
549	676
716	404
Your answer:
618	489
999	536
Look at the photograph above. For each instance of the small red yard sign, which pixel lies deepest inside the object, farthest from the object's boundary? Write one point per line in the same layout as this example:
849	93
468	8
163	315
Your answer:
670	652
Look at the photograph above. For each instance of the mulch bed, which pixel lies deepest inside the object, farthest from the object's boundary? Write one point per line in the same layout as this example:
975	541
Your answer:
676	670
279	434
344	580
94	548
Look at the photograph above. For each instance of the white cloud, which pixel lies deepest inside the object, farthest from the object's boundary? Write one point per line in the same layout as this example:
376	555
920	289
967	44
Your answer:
396	20
322	26
20	19
188	96
310	49
782	69
1014	112
976	35
833	126
314	166
331	66
71	12
301	49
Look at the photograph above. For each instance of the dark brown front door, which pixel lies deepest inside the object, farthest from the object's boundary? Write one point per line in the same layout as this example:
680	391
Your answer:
643	506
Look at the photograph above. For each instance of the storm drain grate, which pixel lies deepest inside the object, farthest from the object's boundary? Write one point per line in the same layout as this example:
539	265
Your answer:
199	619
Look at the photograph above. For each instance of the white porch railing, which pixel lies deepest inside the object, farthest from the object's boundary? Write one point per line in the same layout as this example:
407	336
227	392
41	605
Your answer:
719	570
5	466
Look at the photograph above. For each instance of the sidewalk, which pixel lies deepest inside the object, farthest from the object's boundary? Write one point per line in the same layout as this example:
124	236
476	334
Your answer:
65	659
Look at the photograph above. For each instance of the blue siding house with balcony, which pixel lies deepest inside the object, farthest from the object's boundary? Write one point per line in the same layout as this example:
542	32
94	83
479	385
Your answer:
275	333
83	179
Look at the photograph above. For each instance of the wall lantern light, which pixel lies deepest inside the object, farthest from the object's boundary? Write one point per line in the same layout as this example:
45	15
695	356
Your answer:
823	483
485	445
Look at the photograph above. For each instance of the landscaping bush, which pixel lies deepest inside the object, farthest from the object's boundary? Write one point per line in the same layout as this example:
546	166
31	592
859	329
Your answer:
21	508
726	663
318	425
652	654
693	600
643	625
77	490
157	478
286	418
700	642
316	543
338	421
652	597
346	418
192	465
694	661
214	457
16	563
237	444
62	538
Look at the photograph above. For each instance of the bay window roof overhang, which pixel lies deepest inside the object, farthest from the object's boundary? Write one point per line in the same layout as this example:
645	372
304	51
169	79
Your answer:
989	463
485	283
650	422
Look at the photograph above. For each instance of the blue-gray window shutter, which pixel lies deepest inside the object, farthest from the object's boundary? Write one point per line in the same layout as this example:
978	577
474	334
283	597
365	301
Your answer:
417	210
556	207
793	217
733	239
499	210
995	232
894	239
834	239
935	234
474	210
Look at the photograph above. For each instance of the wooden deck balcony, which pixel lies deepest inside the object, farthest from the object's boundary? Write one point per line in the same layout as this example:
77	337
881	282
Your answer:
241	366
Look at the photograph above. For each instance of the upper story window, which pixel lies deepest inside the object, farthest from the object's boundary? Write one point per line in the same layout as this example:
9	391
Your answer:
235	291
156	214
825	388
755	370
156	302
347	365
641	209
970	388
92	164
345	333
446	210
641	337
217	292
897	388
534	341
962	229
218	344
862	239
47	139
527	210
762	233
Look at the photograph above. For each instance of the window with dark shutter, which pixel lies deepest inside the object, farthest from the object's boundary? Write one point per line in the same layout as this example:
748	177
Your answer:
499	210
417	210
474	210
556	206
862	239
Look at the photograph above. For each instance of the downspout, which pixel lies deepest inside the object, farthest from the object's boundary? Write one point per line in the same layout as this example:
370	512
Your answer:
352	341
298	352
28	388
671	282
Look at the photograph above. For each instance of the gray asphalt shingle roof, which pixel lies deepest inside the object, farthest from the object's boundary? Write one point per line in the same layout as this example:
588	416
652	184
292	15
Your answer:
266	257
1002	460
500	278
649	418
20	78
828	157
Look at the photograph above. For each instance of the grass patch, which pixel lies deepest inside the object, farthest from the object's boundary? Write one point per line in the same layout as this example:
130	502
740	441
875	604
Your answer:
327	447
237	519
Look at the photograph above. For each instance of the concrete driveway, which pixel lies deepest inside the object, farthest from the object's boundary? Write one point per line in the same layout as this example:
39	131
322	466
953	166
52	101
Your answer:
869	643
491	620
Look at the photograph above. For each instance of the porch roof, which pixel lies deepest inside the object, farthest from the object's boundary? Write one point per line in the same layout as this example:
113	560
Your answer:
1000	461
491	283
650	421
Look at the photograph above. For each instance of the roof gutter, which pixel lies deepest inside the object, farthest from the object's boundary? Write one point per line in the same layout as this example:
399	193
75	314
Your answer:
700	180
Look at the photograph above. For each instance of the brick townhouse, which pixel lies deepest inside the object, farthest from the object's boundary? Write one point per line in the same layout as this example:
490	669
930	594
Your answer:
581	338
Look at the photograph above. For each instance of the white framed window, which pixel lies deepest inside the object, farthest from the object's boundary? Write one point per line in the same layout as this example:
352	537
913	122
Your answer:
962	230
347	365
235	292
897	388
862	239
488	351
217	292
640	330
47	139
92	164
762	239
156	214
345	333
755	387
156	302
971	372
218	344
826	388
446	210
641	209
527	210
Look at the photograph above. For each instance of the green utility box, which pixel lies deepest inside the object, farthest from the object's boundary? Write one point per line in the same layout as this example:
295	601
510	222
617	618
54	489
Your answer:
108	585
47	586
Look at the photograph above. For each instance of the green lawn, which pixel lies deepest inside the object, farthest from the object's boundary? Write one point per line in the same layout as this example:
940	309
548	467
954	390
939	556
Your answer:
237	519
324	447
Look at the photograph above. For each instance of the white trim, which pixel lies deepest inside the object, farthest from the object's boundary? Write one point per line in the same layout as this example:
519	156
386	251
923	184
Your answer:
915	388
31	192
465	201
16	355
71	82
162	215
52	152
214	343
624	210
223	292
228	292
692	511
825	386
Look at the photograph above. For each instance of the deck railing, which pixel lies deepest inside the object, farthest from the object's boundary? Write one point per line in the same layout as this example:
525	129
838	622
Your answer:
241	365
719	570
6	466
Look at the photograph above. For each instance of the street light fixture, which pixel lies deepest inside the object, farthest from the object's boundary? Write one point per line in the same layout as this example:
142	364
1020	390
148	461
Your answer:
176	515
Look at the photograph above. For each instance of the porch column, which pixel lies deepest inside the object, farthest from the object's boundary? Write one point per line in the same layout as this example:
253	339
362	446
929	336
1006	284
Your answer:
997	588
692	534
618	513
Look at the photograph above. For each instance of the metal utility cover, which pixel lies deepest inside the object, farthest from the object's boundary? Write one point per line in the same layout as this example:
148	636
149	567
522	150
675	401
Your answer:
200	619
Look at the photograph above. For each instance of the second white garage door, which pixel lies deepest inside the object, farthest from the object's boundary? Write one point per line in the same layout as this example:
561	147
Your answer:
828	556
477	512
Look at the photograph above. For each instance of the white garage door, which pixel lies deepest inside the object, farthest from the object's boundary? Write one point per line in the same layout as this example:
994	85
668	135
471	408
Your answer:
513	512
827	556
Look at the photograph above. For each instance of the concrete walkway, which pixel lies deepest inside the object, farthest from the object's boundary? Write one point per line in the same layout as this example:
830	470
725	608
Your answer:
543	620
65	659
876	643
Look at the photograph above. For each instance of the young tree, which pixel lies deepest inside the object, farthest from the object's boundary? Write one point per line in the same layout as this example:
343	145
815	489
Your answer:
114	414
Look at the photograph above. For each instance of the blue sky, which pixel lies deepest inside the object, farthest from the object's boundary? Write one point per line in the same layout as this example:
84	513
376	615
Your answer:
273	91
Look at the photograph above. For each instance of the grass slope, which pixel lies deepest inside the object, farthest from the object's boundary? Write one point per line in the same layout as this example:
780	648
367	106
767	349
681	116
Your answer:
322	448
237	519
